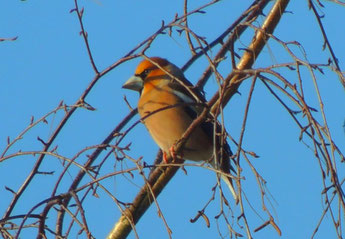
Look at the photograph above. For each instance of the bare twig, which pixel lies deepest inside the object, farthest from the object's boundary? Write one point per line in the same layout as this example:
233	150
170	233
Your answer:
143	199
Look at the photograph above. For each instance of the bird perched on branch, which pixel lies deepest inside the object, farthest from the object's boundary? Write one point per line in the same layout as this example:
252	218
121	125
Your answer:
168	105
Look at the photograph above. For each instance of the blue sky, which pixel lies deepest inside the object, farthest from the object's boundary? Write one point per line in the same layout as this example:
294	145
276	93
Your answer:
48	63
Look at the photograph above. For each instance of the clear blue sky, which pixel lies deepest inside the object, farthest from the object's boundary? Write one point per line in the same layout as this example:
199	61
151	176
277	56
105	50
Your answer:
48	63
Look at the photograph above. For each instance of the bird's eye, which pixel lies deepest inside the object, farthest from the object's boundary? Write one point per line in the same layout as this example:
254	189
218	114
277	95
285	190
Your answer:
144	73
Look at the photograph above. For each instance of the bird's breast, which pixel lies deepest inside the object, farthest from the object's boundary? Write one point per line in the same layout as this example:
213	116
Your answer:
166	120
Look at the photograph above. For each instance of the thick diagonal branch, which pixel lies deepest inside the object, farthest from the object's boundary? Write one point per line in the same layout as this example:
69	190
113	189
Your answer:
162	175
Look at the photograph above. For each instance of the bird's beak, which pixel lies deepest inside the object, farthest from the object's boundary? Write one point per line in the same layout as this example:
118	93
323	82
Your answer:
134	83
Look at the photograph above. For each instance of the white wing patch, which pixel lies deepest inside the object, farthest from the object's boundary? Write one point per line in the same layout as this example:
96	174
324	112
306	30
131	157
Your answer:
184	97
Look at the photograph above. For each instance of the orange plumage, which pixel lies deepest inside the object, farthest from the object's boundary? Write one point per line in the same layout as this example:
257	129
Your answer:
162	85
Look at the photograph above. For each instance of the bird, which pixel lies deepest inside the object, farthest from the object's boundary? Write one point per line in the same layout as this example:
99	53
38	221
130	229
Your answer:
168	104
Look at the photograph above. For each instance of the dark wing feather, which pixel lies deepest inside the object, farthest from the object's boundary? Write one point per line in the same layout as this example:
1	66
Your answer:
208	125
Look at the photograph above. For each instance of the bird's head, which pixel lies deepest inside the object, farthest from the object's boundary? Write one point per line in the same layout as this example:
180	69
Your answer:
153	72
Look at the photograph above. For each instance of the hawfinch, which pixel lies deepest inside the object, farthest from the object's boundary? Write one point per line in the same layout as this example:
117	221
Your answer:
162	85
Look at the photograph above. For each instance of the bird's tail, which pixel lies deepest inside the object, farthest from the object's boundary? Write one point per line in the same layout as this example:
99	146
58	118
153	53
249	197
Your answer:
229	183
224	168
224	165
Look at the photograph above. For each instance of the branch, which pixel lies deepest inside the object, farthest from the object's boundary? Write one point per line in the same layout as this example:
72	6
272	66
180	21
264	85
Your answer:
233	81
160	177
